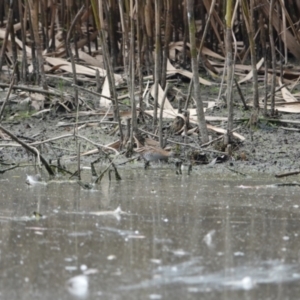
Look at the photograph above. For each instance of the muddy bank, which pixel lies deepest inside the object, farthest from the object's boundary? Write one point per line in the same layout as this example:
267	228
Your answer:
270	148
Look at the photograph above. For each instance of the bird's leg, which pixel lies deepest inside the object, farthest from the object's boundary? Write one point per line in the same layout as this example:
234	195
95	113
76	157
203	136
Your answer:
178	167
190	169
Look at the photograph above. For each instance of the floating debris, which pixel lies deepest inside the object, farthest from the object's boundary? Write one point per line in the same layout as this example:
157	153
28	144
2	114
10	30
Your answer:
247	283
208	238
36	215
34	180
115	213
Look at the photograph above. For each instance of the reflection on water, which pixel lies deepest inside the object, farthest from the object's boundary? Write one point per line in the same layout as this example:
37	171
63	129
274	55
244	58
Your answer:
153	235
192	274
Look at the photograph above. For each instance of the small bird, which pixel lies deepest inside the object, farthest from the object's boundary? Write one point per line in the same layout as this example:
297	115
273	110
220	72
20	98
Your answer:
154	154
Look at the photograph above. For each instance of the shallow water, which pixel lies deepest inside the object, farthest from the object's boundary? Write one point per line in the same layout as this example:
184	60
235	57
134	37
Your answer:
179	237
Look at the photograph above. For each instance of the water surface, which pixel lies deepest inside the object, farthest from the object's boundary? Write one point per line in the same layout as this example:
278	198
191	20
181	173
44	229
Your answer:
180	237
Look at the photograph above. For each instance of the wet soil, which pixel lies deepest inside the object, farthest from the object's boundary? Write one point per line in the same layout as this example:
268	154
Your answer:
153	235
269	148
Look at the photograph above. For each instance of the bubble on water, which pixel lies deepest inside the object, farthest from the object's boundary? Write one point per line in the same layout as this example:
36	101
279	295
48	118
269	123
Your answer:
111	257
155	296
180	252
78	286
155	261
83	268
238	253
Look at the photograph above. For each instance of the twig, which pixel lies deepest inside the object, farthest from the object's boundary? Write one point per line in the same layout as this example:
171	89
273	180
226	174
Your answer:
98	81
78	162
62	137
30	149
235	171
118	177
107	112
277	89
187	145
200	50
287	174
6	35
30	89
195	147
212	7
61	169
241	94
287	184
87	122
218	138
68	44
99	178
91	92
127	161
96	144
8	169
290	129
8	92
